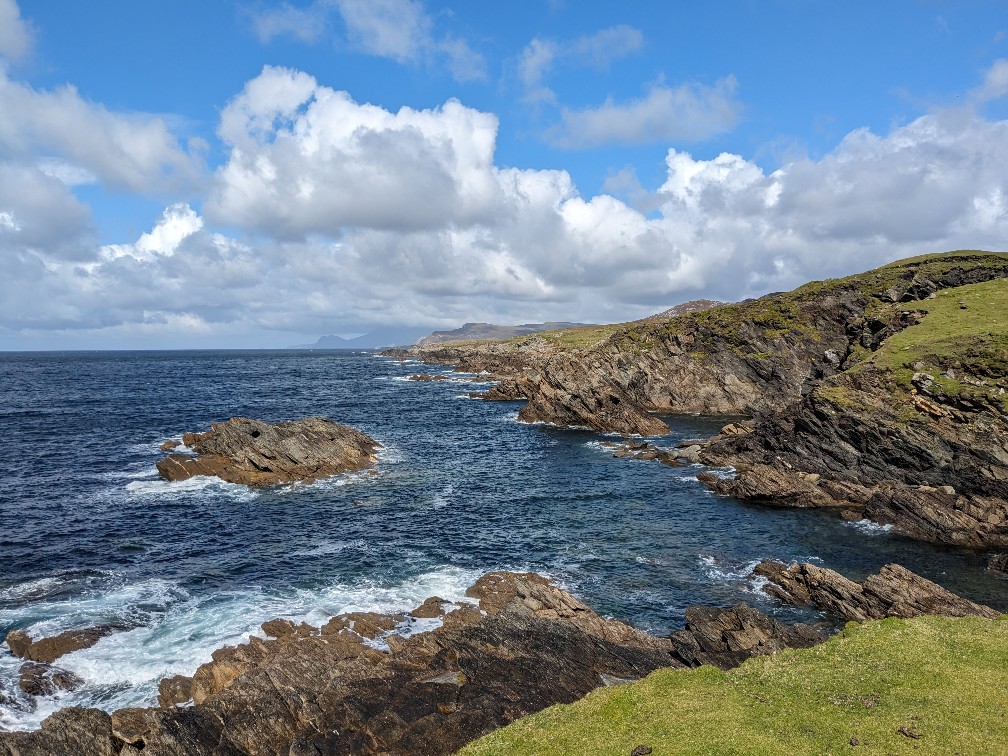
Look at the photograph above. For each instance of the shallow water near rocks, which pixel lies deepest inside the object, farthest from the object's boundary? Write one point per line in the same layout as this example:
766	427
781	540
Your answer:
89	535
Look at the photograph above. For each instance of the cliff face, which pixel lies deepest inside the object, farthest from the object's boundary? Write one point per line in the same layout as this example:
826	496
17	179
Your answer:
883	393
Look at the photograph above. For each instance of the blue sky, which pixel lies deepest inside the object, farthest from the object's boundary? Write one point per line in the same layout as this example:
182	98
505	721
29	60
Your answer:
257	174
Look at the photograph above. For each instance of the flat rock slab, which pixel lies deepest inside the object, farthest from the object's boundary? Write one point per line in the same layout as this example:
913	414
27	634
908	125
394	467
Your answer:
256	453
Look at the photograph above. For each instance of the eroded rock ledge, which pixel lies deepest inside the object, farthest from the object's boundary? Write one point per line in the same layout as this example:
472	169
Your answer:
353	686
256	453
894	592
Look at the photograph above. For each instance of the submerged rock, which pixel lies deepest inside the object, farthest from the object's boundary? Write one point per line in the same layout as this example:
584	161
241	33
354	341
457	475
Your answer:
256	453
894	592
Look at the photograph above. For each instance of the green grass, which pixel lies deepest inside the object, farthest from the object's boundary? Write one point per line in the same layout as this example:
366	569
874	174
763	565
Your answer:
945	680
965	331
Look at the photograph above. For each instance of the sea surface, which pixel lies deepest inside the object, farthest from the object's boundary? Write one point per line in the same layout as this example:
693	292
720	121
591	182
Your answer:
90	535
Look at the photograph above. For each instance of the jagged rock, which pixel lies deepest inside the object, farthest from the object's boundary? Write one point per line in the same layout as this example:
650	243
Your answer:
37	679
170	445
429	609
894	592
824	434
527	646
48	650
727	637
255	453
74	730
18	641
174	690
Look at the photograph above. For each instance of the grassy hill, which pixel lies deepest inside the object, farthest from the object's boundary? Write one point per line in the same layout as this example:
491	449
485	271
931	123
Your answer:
928	685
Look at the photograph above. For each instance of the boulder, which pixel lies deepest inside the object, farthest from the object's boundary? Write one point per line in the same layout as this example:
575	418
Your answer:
256	453
894	592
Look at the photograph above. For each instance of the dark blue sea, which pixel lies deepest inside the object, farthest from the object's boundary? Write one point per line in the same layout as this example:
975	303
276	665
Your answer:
90	535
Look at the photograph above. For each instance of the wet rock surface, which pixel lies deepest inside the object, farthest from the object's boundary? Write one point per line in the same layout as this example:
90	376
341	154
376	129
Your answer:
256	453
48	650
894	592
526	645
352	687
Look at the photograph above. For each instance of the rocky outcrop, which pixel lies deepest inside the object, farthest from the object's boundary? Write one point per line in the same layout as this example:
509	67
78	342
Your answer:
522	645
894	592
256	453
360	685
727	637
48	650
861	443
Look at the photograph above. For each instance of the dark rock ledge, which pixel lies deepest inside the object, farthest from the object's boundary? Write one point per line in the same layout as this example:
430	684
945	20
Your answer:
256	453
352	687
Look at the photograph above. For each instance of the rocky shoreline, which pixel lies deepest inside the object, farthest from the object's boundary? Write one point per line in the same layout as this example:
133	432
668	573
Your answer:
438	677
848	409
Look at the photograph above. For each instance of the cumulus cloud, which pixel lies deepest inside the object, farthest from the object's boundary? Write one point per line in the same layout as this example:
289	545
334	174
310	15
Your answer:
687	113
597	51
308	159
342	216
124	150
15	33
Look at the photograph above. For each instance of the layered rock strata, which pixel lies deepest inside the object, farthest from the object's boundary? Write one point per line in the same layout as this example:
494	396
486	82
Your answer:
354	686
894	592
256	453
839	417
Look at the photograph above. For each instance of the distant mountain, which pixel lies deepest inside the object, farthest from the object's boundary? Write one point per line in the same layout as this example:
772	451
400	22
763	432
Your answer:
380	338
491	332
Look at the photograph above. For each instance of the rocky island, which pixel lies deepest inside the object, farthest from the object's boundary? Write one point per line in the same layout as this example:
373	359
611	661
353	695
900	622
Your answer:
882	395
256	453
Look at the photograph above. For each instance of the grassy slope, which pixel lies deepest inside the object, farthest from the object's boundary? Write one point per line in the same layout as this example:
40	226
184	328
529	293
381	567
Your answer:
945	680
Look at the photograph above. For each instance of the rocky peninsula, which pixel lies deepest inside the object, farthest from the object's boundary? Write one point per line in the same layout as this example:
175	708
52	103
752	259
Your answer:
882	395
368	683
256	453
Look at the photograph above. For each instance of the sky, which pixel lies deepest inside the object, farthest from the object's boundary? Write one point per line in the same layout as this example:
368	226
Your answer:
256	174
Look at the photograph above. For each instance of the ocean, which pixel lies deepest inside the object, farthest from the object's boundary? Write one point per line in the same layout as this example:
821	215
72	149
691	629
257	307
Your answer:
90	535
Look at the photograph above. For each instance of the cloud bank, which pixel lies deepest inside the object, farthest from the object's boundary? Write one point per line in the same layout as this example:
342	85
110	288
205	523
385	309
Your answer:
333	215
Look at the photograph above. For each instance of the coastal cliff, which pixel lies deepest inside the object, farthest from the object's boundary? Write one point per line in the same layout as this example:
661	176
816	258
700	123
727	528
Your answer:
883	394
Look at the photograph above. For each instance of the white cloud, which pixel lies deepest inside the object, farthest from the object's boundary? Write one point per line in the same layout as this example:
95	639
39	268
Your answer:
400	30
689	112
596	51
306	24
995	85
308	159
342	216
396	29
125	150
178	223
15	33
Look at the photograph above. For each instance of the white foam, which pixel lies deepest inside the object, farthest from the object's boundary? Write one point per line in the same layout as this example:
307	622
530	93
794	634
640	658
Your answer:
179	631
740	576
869	527
198	484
